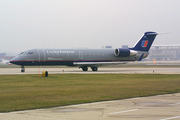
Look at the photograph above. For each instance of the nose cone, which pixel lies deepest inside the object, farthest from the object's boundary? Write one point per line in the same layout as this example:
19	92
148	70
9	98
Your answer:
15	60
12	61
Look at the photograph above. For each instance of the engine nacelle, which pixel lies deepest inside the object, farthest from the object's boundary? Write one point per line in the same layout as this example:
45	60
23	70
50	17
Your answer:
120	52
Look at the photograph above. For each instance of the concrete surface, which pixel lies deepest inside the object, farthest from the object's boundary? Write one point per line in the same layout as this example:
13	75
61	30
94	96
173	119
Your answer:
102	70
160	107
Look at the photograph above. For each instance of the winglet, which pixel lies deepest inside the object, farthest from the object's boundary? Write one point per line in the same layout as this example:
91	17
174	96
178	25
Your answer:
140	58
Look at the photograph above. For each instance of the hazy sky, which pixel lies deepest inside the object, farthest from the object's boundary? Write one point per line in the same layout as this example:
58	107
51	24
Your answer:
26	24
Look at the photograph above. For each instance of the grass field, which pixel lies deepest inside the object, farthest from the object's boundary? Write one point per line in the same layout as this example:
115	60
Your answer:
21	92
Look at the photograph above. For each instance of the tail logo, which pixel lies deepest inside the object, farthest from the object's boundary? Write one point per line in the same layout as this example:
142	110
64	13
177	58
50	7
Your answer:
144	43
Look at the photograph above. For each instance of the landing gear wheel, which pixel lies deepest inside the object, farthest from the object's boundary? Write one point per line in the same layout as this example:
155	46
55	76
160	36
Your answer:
94	68
23	69
85	68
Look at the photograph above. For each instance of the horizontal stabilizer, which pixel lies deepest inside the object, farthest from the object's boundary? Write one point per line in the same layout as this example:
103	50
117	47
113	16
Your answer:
140	58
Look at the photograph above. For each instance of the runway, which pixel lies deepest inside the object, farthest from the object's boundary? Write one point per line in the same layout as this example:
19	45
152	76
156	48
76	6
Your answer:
160	107
75	70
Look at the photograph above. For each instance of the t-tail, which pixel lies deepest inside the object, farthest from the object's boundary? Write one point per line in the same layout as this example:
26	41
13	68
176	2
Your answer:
145	42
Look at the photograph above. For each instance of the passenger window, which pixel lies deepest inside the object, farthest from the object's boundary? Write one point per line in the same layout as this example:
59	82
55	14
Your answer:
30	53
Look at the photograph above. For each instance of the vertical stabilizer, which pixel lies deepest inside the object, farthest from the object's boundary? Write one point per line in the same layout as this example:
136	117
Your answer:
145	42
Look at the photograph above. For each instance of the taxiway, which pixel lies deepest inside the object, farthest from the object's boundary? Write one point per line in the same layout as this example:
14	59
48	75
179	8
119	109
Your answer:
160	107
75	70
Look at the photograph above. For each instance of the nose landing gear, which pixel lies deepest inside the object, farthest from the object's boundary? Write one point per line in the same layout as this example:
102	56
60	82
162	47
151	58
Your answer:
22	69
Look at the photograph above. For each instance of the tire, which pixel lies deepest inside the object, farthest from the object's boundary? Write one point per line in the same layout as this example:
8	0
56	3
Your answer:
94	68
85	68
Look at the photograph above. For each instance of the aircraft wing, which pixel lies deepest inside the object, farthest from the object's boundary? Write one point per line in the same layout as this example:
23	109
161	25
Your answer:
98	63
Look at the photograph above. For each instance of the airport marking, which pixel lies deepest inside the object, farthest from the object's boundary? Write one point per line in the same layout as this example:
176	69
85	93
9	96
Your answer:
175	104
124	111
171	118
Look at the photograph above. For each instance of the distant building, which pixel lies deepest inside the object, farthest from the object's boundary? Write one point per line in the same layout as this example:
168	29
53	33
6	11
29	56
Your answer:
164	52
108	46
125	46
2	54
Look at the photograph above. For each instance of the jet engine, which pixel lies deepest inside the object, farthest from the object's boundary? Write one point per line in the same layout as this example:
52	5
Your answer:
120	52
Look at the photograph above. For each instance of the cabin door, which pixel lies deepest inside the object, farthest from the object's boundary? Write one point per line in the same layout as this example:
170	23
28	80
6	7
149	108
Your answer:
80	55
41	55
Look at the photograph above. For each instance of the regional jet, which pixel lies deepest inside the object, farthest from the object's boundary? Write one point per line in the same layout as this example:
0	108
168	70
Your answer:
84	58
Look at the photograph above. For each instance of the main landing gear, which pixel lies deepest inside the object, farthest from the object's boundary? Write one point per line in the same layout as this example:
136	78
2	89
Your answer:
94	68
85	68
23	69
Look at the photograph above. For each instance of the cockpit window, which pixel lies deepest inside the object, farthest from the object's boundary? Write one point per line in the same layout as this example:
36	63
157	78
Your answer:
23	53
27	53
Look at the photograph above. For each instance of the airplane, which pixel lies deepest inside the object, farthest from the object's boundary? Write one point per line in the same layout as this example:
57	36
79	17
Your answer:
84	58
